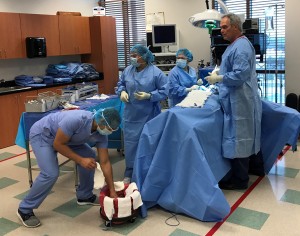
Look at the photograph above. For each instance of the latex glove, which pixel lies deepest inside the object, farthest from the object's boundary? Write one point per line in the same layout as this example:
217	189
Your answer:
142	95
215	71
199	82
124	96
194	87
213	78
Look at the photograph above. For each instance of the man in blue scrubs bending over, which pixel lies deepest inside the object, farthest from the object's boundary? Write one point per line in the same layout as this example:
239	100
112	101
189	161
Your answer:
68	133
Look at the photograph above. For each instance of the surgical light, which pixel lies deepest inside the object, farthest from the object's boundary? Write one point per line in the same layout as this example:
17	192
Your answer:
210	18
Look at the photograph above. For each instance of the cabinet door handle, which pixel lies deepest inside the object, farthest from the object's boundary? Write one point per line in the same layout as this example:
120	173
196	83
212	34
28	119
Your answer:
4	53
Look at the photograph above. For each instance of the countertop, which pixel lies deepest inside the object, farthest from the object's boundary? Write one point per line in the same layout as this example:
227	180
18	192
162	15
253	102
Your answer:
9	87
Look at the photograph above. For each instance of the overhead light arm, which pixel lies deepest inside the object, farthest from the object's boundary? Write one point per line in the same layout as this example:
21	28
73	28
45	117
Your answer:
207	4
223	6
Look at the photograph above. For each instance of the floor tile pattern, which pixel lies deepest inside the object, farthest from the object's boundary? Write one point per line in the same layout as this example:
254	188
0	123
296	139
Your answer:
248	218
265	211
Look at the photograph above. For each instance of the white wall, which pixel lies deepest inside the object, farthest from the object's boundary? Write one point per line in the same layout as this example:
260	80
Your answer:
37	66
48	7
197	40
292	36
177	12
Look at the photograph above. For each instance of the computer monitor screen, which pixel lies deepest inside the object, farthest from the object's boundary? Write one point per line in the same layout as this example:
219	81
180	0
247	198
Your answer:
150	44
164	35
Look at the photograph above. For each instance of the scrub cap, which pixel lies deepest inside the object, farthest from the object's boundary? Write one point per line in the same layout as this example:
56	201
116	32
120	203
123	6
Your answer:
111	115
185	52
143	51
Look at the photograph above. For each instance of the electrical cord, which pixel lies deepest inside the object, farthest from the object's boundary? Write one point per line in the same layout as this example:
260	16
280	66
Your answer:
169	218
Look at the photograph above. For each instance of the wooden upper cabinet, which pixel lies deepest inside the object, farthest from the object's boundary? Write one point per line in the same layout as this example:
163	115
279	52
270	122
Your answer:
10	40
104	54
35	25
74	32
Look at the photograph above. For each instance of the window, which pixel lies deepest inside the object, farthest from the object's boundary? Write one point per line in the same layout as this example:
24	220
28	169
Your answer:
271	14
130	25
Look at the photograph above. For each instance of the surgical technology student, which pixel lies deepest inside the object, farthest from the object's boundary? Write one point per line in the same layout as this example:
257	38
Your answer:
68	133
141	87
182	79
239	98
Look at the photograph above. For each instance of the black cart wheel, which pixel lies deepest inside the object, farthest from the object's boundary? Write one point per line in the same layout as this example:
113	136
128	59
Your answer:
107	224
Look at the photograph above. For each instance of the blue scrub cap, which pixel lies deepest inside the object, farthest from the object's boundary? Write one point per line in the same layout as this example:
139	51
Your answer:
110	115
143	51
185	52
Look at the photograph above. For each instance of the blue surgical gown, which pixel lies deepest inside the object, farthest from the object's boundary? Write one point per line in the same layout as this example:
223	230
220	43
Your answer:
239	97
137	112
178	81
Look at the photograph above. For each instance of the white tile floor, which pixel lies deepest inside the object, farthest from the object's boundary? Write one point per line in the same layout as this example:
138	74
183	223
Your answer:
271	208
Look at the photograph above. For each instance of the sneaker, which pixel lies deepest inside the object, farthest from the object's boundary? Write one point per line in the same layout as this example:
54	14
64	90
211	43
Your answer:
89	201
29	220
126	180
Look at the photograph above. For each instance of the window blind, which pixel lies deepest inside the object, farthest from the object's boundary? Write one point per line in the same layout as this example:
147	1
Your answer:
130	26
271	14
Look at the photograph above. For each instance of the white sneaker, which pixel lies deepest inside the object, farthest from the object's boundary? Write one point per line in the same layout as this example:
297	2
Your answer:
126	180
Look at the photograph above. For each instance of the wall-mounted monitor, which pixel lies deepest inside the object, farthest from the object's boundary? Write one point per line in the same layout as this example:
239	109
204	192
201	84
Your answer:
164	35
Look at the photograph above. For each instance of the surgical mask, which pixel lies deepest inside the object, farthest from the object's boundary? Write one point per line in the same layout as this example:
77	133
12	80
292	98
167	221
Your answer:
104	131
133	61
181	63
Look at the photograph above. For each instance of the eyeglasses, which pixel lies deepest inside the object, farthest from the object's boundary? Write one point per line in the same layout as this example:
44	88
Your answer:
109	125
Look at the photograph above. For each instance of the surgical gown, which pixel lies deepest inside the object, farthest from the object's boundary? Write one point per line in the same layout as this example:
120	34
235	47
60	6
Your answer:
239	98
137	112
178	81
75	124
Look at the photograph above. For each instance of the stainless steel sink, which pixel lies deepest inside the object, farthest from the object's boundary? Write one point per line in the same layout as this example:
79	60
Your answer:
12	88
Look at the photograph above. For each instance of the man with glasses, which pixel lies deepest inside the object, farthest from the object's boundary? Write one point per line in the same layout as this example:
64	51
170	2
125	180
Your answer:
69	133
238	94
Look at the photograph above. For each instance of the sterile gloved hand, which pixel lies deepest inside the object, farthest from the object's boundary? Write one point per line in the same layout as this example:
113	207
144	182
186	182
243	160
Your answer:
194	87
124	96
199	82
215	71
142	95
213	78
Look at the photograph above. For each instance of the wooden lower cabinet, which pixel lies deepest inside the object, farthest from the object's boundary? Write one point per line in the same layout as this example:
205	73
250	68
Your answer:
11	108
13	105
